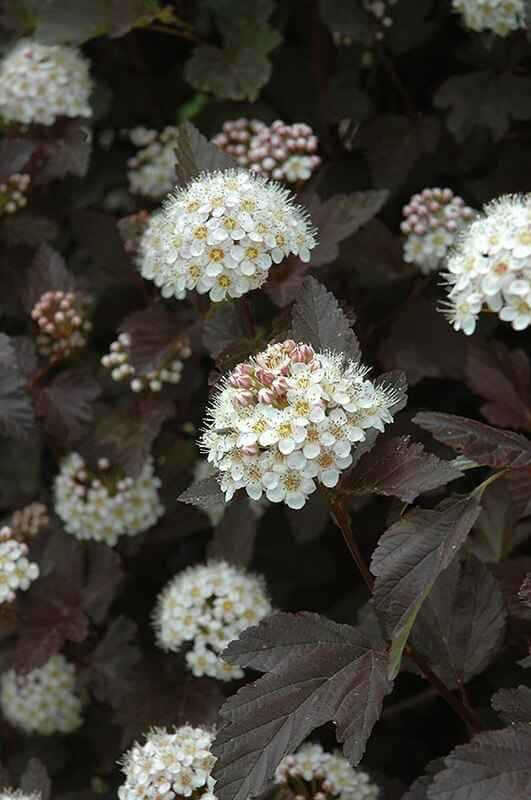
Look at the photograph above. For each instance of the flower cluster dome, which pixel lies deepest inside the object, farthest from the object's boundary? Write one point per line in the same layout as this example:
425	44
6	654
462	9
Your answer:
208	606
289	417
121	368
280	151
499	16
63	324
170	765
490	268
313	774
13	192
40	82
7	793
221	234
432	221
103	504
45	700
16	571
151	172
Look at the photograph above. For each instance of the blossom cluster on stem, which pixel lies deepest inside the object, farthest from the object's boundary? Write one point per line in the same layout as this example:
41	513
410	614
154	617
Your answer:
17	572
118	362
499	16
288	419
62	322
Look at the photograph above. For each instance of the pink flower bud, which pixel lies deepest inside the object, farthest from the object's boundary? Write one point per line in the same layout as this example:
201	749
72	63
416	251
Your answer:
266	396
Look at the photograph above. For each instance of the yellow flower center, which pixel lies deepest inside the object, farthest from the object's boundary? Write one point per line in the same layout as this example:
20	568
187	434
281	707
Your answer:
248	205
224	281
201	232
284	430
292	481
229	223
216	254
251	253
194	271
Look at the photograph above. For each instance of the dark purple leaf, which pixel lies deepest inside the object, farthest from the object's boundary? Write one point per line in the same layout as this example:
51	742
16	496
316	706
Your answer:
519	483
494	765
409	558
154	333
234	536
502	377
513	705
340	217
317	671
68	154
48	272
486	99
222	328
14	155
524	593
419	789
492	538
309	522
16	410
486	446
195	154
318	320
99	235
461	625
203	494
400	468
103	578
28	229
67	404
124	15
112	662
35	780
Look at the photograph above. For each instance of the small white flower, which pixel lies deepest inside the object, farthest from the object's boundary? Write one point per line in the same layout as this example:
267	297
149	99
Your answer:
499	16
39	83
7	793
288	417
169	765
208	606
221	234
491	266
324	775
16	571
99	505
45	700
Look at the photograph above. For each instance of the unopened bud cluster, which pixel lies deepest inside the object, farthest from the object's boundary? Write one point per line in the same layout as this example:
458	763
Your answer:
104	504
280	151
170	765
13	193
44	701
131	230
499	16
40	82
289	417
313	774
63	324
432	220
151	172
27	522
221	234
16	571
209	606
490	268
121	368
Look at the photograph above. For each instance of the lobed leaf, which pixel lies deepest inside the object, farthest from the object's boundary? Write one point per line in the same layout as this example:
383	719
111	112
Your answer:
318	320
235	534
67	404
16	410
203	494
486	446
195	154
513	705
399	468
494	765
317	671
502	377
409	558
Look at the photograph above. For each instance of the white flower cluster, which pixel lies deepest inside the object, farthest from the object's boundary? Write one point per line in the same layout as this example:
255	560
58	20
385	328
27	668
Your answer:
499	16
283	152
432	220
7	793
40	82
151	171
104	504
16	572
221	234
13	193
209	606
170	765
289	417
45	700
63	325
323	776
121	368
216	511
490	267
